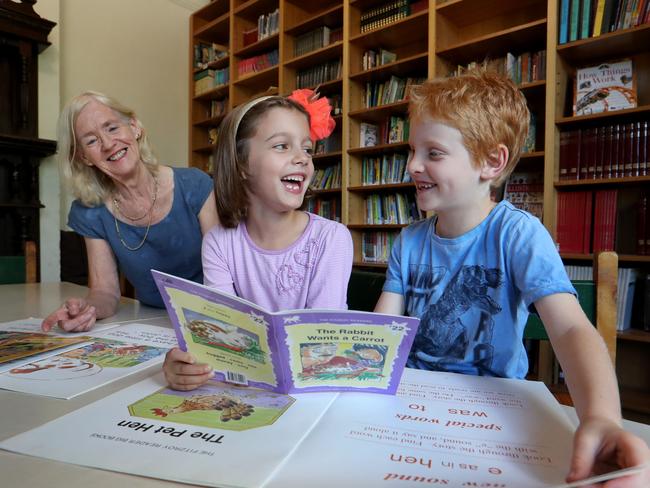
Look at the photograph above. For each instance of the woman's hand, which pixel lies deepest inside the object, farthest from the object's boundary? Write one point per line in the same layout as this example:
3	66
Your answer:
75	315
600	446
181	371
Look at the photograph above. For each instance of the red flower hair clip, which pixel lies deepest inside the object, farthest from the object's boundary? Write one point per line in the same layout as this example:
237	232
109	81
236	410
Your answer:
319	109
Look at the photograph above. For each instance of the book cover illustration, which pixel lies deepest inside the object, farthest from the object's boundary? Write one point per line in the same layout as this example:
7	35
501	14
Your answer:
102	358
604	88
214	405
291	351
368	134
23	341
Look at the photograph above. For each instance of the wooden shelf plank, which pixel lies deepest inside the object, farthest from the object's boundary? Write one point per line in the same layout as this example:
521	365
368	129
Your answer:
381	187
627	180
619	44
636	113
494	44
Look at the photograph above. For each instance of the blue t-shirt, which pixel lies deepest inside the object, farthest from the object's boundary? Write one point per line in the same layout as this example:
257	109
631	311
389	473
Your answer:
473	293
173	245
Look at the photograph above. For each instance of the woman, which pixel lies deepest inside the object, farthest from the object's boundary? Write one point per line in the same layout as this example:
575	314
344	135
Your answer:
131	211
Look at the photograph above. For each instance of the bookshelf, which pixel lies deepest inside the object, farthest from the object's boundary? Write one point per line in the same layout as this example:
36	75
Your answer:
433	39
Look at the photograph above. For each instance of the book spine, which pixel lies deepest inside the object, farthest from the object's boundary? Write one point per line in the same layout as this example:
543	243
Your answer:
564	21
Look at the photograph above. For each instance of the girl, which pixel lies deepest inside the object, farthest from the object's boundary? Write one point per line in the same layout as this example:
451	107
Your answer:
266	249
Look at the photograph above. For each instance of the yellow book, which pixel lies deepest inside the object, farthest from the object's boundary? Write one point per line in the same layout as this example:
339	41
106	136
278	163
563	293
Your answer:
598	19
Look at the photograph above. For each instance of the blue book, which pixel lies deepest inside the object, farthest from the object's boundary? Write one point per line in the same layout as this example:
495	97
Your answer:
564	21
585	19
574	20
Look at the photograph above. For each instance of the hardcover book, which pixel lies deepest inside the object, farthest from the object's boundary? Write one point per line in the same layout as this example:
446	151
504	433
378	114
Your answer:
605	88
290	351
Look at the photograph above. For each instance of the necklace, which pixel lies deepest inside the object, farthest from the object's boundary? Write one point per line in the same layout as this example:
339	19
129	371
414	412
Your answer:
150	212
116	204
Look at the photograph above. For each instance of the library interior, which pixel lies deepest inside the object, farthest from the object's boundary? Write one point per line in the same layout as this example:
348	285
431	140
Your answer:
583	67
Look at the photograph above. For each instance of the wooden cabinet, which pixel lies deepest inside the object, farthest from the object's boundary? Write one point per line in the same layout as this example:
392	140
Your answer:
429	39
23	35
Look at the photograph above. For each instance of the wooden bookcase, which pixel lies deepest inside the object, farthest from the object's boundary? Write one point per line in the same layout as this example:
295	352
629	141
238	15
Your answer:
430	42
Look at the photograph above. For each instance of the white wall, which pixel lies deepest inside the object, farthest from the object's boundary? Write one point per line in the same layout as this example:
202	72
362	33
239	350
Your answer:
48	110
134	50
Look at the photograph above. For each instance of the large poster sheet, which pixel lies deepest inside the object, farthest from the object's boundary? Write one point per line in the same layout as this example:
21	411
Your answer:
441	429
102	358
218	435
23	340
291	351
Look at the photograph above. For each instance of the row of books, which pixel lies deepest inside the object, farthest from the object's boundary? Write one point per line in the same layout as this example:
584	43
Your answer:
526	191
611	151
327	178
586	221
376	246
387	168
204	54
392	90
218	107
395	208
627	300
372	59
329	208
258	63
523	68
316	39
321	73
580	19
267	25
205	80
392	130
384	14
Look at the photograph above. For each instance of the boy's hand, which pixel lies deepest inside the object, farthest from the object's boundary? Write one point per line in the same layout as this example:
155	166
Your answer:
75	315
600	446
181	371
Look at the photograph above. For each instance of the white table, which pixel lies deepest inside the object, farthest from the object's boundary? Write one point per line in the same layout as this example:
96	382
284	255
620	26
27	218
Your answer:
21	412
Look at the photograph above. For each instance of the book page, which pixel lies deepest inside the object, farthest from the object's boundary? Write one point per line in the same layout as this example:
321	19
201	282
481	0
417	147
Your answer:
441	429
346	350
231	335
109	355
22	341
217	435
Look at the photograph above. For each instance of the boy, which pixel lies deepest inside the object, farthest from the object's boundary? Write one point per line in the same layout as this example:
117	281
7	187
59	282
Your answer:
473	272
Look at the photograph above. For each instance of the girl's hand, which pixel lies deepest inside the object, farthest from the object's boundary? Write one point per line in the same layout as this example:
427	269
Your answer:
181	371
75	315
600	446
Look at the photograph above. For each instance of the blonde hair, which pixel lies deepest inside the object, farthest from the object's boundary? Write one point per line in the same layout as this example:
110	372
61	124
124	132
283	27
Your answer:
87	183
485	107
231	155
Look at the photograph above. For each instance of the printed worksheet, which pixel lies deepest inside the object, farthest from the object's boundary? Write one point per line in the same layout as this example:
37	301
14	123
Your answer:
104	357
440	429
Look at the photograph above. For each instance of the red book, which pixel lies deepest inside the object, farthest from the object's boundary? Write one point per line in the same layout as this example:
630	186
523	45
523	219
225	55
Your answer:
587	222
616	132
585	136
644	150
607	151
600	151
627	148
574	154
562	224
604	220
565	155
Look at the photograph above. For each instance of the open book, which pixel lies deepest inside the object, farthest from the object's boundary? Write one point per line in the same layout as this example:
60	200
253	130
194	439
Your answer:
290	351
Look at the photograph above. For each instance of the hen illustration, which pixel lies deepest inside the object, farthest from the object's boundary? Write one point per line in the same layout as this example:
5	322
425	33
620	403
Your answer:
230	408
